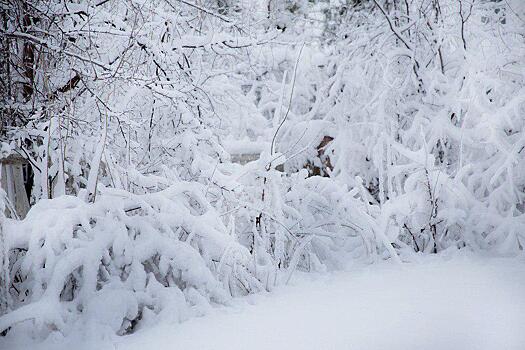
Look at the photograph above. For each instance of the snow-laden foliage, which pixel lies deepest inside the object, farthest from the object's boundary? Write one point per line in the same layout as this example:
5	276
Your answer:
381	128
122	259
425	103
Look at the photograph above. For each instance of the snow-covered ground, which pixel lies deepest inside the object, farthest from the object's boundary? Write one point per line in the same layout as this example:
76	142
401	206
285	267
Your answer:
465	302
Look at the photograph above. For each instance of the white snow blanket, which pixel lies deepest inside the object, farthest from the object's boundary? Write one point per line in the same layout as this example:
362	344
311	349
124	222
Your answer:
462	302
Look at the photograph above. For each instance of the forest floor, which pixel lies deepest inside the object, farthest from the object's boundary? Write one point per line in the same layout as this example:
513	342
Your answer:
463	302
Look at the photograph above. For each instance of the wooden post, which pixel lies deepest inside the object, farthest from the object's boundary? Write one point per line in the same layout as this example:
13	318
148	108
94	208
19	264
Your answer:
12	182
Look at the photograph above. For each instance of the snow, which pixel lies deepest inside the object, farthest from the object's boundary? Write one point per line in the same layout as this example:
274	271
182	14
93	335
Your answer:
155	132
458	302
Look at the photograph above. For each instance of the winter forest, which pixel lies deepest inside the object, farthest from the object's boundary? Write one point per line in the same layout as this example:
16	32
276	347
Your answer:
262	174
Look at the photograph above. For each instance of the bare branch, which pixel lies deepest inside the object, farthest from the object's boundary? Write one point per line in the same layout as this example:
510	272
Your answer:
44	43
392	27
200	8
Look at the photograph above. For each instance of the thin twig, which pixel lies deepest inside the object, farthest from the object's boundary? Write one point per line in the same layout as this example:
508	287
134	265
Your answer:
289	100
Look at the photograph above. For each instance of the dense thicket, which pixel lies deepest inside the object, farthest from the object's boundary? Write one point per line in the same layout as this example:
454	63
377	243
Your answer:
383	128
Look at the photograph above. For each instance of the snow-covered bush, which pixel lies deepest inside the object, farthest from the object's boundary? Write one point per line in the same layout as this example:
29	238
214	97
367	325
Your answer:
122	259
426	109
